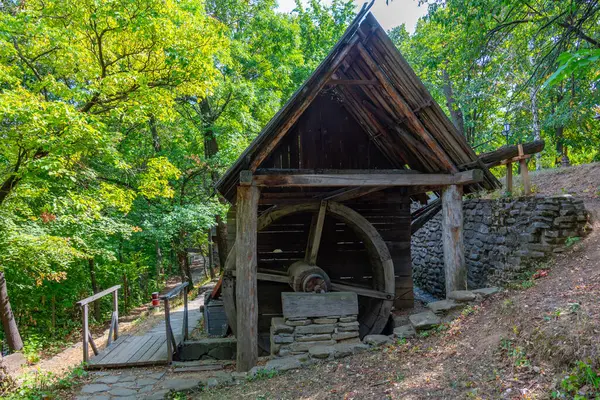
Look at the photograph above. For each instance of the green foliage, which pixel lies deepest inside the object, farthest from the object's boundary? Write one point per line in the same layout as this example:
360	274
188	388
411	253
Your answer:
262	374
118	118
572	240
38	385
583	382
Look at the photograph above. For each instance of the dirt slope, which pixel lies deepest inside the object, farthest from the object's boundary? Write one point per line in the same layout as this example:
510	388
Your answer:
517	345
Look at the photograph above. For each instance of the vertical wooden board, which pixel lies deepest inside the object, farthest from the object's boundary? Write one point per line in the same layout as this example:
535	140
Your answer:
231	221
452	239
246	284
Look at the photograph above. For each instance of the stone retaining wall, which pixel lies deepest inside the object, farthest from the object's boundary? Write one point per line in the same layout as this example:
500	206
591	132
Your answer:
502	238
298	335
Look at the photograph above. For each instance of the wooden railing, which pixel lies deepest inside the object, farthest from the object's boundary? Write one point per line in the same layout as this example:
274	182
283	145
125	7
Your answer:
113	332
171	341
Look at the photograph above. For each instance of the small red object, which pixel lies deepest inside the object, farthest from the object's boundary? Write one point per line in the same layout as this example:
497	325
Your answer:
155	300
540	273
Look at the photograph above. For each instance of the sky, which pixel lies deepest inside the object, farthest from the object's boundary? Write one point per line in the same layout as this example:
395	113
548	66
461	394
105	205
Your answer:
389	16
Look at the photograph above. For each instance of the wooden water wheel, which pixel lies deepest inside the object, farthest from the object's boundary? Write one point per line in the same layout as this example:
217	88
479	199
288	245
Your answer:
373	281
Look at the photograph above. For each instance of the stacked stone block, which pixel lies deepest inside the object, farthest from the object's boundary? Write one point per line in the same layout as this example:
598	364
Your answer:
295	336
502	238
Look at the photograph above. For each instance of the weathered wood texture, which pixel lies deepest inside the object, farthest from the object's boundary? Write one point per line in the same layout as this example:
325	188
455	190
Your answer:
246	264
354	251
314	235
399	178
396	119
452	238
299	305
496	157
148	349
326	137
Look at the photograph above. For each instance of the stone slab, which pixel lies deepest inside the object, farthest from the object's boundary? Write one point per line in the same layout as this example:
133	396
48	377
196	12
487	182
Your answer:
424	320
442	306
462	295
405	331
313	329
344	335
304	346
278	325
377	340
311	338
321	352
485	292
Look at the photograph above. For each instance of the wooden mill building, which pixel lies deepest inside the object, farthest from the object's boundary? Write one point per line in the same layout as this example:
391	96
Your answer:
329	182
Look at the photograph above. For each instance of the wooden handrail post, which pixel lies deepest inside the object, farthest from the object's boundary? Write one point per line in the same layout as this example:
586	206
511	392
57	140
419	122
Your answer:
168	332
85	333
116	313
185	314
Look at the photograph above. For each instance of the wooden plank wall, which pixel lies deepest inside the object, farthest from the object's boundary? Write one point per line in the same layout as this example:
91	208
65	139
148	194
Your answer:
326	136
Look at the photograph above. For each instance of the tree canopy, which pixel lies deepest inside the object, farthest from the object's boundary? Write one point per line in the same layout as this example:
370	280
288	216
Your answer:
119	116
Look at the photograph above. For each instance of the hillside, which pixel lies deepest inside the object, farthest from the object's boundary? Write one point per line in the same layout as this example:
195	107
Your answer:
519	344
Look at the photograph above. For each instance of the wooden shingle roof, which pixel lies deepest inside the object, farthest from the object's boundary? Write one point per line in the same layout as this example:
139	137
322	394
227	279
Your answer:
384	95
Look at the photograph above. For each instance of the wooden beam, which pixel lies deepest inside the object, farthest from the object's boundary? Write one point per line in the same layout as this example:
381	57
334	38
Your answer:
286	171
353	82
352	193
524	172
362	291
246	264
368	180
314	235
452	239
411	119
313	91
509	178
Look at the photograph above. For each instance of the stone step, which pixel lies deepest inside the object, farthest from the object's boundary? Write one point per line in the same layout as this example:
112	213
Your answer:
424	320
443	306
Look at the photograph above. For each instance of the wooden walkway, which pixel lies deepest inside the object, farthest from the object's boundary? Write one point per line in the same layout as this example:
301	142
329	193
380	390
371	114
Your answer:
149	348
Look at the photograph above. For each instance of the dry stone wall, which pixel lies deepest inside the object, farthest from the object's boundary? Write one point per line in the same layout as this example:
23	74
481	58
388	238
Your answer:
502	238
298	335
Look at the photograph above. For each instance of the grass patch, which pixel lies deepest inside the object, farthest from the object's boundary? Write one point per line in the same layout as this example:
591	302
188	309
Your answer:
262	374
43	385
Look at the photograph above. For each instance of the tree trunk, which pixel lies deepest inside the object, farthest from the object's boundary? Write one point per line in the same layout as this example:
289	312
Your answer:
455	112
9	325
536	125
92	266
184	267
210	256
159	260
561	148
222	247
155	137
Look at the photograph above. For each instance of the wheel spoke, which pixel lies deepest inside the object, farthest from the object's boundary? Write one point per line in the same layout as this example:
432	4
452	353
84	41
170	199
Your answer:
314	235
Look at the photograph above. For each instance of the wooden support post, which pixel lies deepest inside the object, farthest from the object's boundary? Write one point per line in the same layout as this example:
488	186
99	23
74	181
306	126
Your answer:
184	323
168	331
314	235
246	265
524	172
85	333
452	237
509	178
